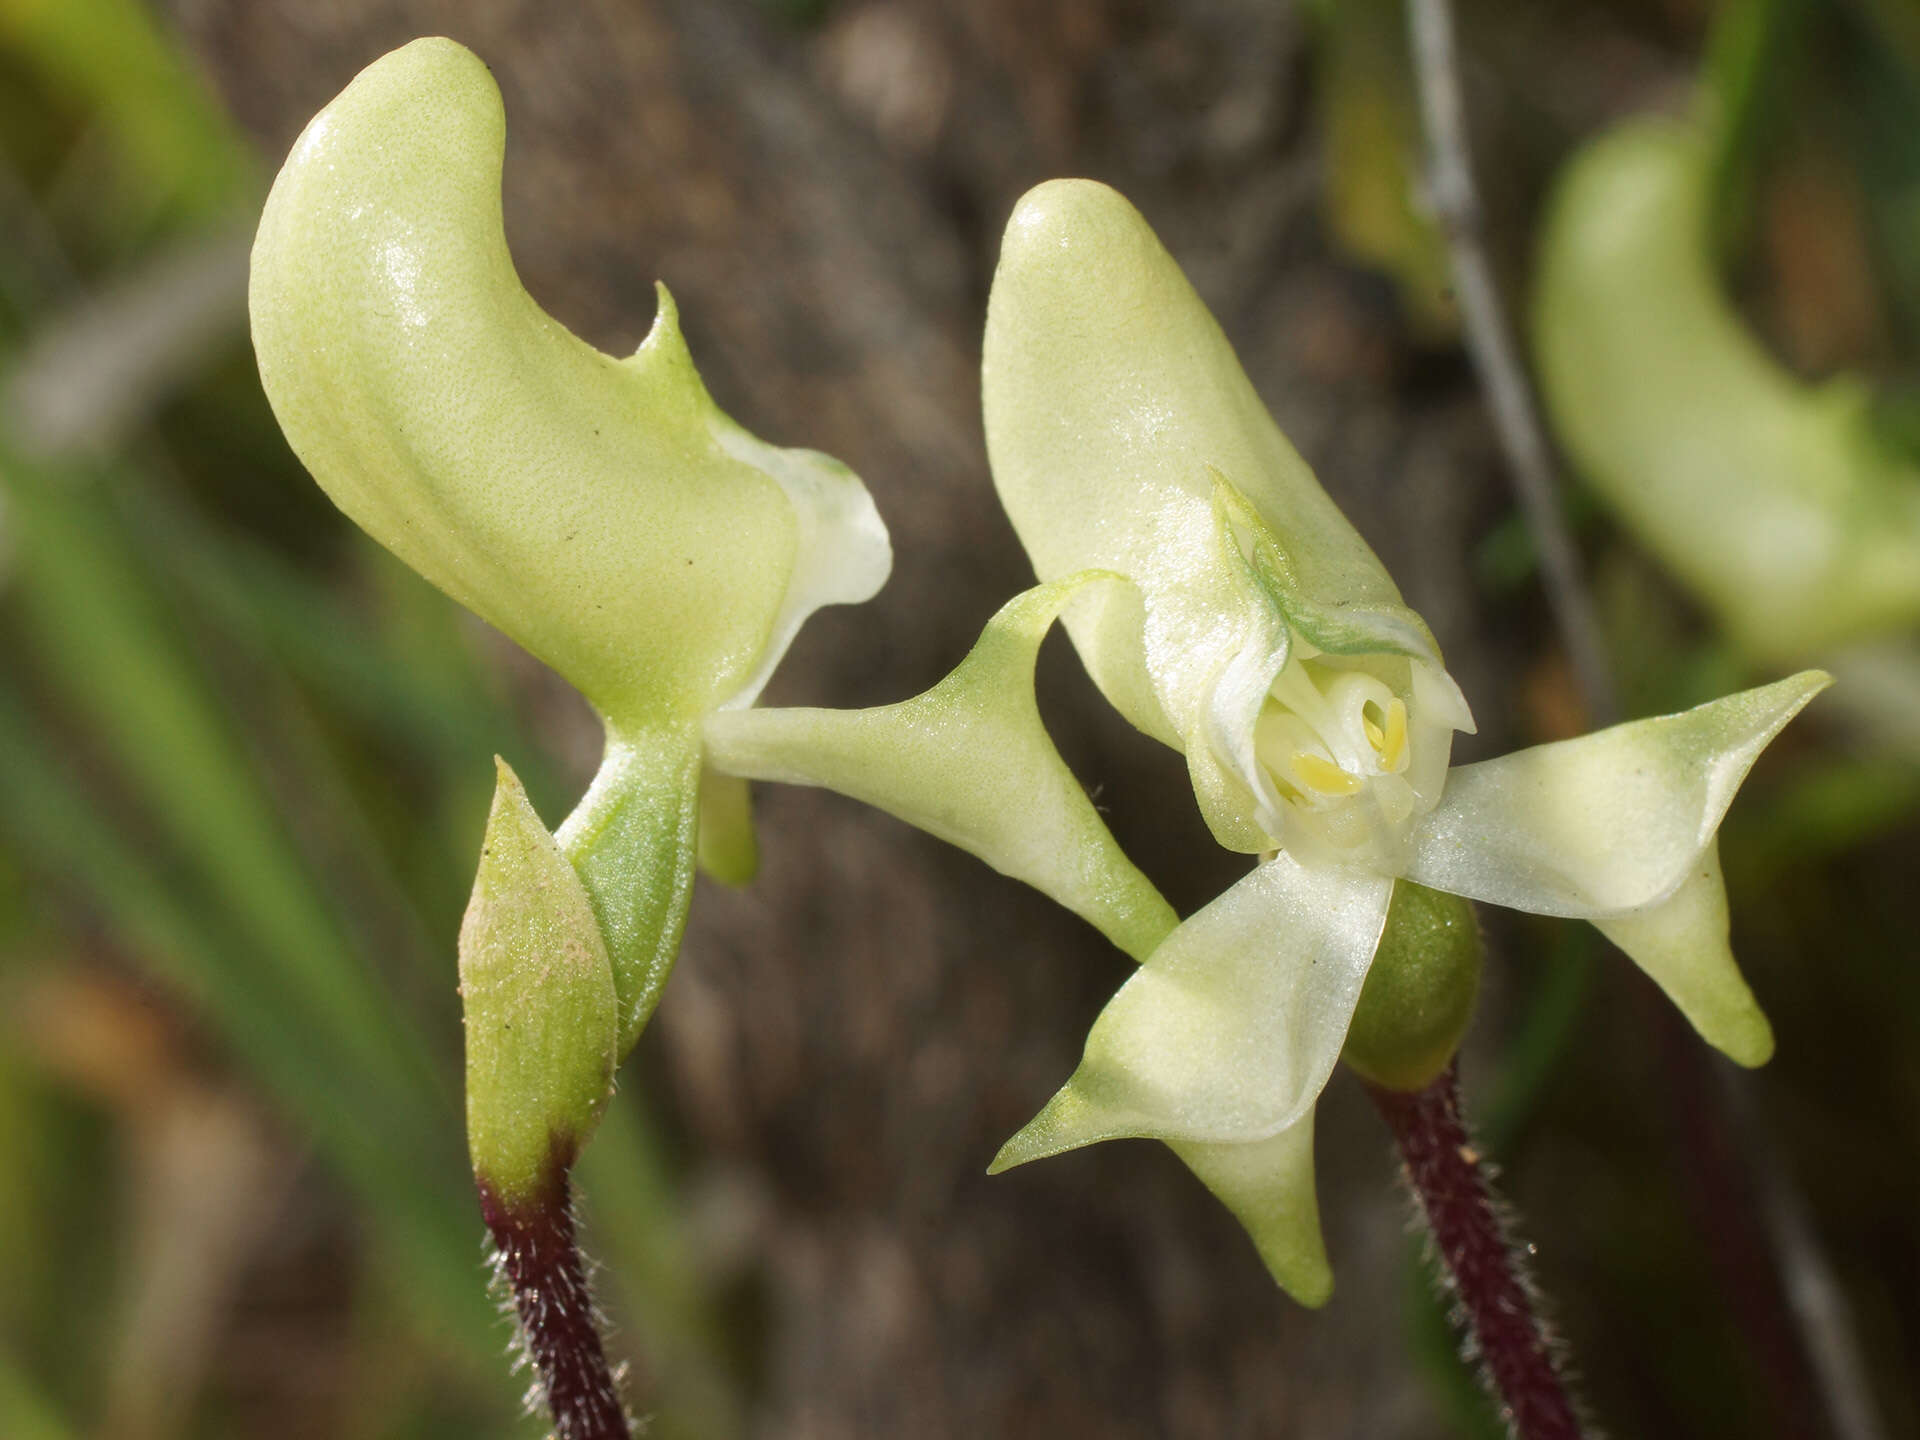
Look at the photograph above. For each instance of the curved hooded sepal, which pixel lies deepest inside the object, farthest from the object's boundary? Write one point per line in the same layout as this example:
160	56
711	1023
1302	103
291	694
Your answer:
1114	407
1607	824
1771	498
969	761
1231	1028
604	513
1681	943
537	990
632	840
1268	1185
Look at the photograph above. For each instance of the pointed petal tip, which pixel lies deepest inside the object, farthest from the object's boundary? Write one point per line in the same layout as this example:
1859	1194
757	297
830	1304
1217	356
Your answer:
1309	1285
1066	1122
1749	1046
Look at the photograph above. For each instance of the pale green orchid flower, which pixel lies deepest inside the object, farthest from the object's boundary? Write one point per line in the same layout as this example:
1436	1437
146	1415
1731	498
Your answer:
1261	636
606	515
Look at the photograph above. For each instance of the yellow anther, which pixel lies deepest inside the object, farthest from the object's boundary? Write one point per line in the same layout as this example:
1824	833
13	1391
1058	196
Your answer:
1323	775
1393	746
1375	735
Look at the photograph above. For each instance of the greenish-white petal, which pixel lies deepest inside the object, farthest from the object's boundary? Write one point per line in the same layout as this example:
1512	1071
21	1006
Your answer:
1681	942
1268	1185
1230	1029
537	992
970	762
602	512
1115	411
1606	824
843	554
632	839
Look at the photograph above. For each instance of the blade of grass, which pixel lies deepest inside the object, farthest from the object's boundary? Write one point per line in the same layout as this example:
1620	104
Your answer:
106	643
412	1181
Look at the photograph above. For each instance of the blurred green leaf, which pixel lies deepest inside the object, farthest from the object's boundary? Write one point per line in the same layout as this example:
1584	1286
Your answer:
1371	131
181	162
24	1413
106	643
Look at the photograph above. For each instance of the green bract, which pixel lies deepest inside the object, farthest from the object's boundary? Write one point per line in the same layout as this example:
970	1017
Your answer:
1770	497
537	990
1260	635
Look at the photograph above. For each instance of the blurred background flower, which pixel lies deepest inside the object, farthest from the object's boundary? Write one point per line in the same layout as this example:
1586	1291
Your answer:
245	758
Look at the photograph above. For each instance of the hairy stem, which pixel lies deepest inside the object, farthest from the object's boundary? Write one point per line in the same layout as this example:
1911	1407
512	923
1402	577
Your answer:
540	1258
1443	1170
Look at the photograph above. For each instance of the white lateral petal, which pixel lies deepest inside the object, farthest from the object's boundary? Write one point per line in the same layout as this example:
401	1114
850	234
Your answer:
1268	1185
1605	824
843	554
1231	1028
1682	944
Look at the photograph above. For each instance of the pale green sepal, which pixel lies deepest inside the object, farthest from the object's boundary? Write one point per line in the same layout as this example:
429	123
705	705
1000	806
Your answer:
1682	944
633	839
970	762
1230	1029
1772	498
1606	824
1110	397
1268	1185
727	850
604	513
538	994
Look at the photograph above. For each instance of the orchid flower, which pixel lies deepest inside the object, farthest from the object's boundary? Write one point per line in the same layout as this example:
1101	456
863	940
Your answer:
606	515
1259	635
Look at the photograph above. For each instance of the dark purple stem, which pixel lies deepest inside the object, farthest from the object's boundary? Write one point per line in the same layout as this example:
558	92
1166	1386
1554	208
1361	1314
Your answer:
1443	1170
541	1261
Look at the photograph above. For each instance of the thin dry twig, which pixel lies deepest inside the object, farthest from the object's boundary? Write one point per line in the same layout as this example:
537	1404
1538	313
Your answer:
1455	204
